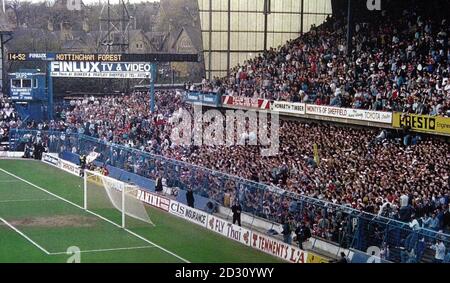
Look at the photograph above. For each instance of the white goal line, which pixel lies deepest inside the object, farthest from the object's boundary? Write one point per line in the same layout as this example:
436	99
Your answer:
93	213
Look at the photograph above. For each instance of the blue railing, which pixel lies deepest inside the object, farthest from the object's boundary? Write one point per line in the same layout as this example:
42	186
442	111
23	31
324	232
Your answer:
347	227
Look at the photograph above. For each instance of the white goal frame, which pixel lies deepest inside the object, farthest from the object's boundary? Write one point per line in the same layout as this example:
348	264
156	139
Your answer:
123	195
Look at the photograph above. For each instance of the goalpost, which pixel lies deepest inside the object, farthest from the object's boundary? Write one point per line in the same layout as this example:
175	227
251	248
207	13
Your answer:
114	200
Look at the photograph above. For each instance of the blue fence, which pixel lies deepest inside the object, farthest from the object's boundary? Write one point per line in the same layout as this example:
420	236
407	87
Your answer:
342	225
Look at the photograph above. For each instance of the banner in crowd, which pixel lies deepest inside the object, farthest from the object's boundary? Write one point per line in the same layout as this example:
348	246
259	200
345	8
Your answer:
191	214
277	248
347	113
75	69
423	123
229	230
289	107
246	102
210	99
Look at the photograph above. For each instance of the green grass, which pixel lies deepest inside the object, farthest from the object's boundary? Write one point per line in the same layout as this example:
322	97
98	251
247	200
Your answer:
22	203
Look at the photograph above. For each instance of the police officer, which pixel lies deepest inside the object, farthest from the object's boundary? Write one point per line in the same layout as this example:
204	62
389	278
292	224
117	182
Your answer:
190	198
82	165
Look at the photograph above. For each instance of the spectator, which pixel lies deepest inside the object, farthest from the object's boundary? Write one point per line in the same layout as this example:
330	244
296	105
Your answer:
105	170
447	258
236	209
342	259
82	164
434	222
286	231
408	256
158	186
385	251
439	248
303	234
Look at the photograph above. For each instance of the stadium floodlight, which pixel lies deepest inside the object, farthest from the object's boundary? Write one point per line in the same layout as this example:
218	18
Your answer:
108	197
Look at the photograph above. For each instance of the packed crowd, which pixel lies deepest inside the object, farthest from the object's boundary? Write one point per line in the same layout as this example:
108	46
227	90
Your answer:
399	63
393	175
119	119
355	168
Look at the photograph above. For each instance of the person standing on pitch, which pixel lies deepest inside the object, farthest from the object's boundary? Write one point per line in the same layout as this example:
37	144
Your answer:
190	198
159	186
303	234
286	231
236	209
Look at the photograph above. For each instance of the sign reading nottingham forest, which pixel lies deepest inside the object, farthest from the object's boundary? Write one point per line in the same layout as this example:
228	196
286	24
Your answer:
74	69
96	57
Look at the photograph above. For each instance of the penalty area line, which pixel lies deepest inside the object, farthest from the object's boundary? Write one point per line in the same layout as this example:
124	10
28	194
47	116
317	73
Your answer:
107	250
25	236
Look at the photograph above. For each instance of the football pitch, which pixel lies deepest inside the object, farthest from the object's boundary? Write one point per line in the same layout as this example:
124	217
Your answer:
42	220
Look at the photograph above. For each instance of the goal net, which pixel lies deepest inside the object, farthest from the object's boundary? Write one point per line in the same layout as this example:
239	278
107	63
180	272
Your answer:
114	200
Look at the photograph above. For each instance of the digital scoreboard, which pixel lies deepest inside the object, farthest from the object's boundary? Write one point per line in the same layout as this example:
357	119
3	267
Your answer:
98	57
